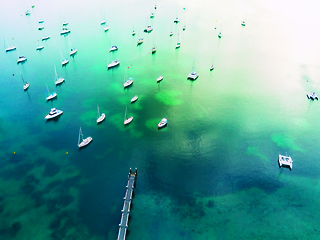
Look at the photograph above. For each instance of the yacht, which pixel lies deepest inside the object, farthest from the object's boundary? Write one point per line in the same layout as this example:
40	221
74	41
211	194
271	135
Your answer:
184	28
160	78
27	13
40	47
312	96
41	21
73	51
193	75
176	20
178	45
162	123
219	35
64	31
40	27
243	23
113	48
128	82
103	22
21	59
133	33
106	28
113	63
140	41
211	68
152	15
171	33
26	86
45	38
53	113
65	23
135	98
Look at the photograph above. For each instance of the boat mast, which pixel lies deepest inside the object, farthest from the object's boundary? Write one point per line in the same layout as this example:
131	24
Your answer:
79	136
55	70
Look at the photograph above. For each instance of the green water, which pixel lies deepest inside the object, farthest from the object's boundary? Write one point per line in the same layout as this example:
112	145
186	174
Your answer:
212	173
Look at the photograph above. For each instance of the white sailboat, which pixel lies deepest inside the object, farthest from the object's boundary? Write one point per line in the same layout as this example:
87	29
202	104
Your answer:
113	47
64	61
101	117
9	48
220	35
135	98
193	75
127	120
59	80
83	142
25	84
21	59
178	43
50	95
73	51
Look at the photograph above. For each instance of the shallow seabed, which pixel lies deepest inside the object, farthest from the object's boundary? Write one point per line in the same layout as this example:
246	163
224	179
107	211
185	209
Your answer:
212	173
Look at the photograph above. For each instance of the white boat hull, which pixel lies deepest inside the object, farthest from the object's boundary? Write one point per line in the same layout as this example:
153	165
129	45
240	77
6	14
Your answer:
85	142
101	118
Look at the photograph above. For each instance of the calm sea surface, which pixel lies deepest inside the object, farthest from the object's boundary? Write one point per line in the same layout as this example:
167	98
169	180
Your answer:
212	173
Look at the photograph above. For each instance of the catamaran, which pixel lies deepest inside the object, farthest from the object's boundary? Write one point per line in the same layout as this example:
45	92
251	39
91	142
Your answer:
101	117
127	120
50	95
53	113
113	63
85	141
162	123
59	80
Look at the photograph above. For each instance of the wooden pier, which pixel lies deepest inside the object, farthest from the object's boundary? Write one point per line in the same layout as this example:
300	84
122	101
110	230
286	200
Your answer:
123	226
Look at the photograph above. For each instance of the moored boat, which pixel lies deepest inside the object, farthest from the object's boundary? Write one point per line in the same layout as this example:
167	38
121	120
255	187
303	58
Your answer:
21	59
85	141
45	38
135	98
65	31
160	78
162	123
128	82
53	113
193	75
113	63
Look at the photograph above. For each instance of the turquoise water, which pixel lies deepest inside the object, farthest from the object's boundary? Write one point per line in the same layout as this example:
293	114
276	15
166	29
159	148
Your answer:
212	173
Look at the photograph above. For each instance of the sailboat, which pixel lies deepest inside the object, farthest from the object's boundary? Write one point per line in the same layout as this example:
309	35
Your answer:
154	49
178	43
101	117
128	82
73	51
127	120
85	141
135	98
64	61
25	84
9	48
212	66
219	35
59	80
113	48
21	58
193	75
50	95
